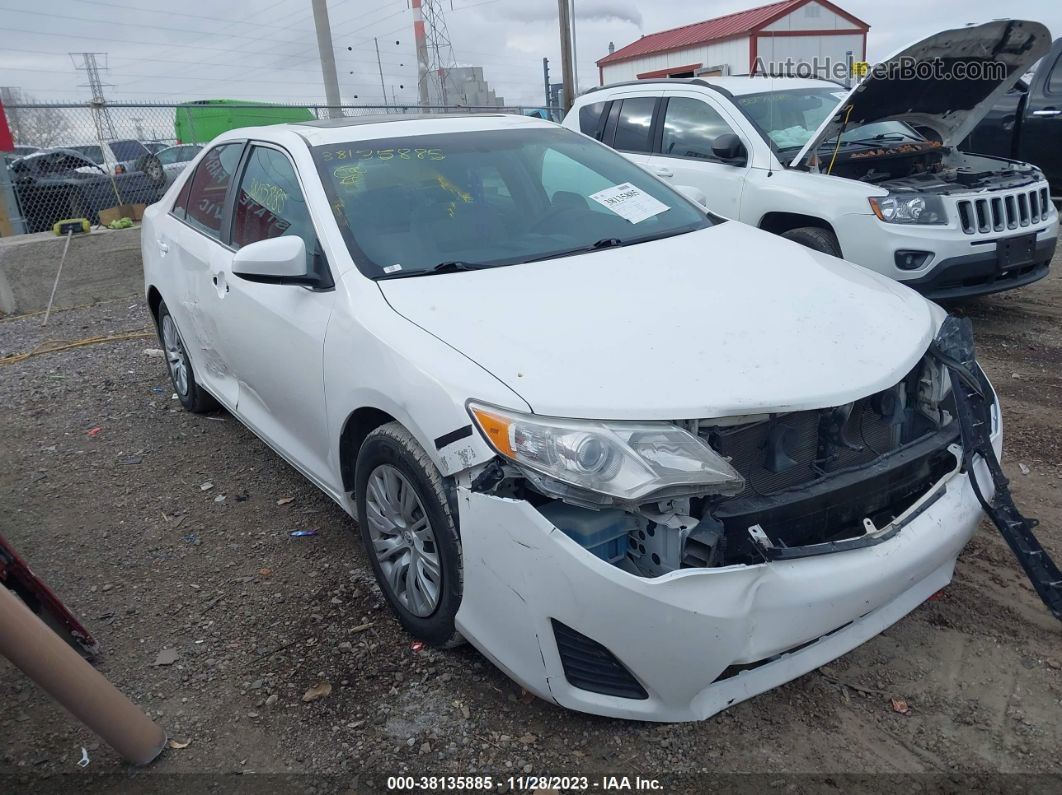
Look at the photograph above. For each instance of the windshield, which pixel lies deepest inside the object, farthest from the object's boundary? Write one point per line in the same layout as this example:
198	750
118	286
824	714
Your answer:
790	118
92	152
127	150
487	198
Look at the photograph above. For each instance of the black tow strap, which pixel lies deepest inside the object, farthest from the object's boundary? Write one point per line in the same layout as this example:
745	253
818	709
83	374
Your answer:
975	422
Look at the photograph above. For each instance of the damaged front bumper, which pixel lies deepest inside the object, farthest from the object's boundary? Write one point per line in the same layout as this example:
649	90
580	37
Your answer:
576	630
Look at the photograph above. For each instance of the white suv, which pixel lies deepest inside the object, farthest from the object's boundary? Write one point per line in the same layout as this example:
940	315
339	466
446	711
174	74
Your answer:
895	195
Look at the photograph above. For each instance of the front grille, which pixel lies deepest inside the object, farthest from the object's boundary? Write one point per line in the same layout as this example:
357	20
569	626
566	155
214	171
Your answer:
590	666
798	448
1001	212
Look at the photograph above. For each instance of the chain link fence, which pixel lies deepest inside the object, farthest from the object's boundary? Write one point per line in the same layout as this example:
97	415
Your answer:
100	162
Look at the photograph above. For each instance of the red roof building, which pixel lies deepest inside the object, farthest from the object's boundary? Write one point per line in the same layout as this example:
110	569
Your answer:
796	31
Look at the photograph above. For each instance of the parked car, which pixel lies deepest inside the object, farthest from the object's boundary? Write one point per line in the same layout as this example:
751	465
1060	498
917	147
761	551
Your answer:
651	462
58	184
895	195
1026	122
120	157
155	146
22	150
174	159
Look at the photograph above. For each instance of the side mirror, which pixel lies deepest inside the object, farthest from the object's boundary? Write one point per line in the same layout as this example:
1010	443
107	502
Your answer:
278	260
693	194
728	148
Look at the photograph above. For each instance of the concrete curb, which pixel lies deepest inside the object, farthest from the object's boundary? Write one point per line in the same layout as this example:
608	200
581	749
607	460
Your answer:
100	266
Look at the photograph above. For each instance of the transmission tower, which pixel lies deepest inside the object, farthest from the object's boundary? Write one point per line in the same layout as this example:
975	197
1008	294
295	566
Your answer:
101	116
435	55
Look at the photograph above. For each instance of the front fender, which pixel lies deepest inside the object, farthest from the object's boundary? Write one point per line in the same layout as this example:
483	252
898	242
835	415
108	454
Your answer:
375	358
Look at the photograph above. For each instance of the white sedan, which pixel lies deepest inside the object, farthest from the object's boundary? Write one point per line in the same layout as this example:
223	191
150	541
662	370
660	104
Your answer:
648	461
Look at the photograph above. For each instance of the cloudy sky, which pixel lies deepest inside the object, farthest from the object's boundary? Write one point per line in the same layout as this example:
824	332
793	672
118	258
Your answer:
163	51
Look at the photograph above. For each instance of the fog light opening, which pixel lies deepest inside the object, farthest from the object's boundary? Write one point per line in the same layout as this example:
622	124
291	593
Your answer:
907	260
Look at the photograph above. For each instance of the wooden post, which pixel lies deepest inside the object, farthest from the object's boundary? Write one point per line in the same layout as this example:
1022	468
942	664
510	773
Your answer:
45	658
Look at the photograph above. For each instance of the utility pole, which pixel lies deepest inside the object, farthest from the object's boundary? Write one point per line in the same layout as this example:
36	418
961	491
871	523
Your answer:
545	78
566	55
328	57
101	116
575	56
422	53
380	68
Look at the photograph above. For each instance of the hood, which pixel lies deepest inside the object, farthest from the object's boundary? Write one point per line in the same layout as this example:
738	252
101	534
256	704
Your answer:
949	105
724	321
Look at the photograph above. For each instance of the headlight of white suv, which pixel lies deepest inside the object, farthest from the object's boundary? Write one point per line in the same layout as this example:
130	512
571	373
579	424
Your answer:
909	208
607	461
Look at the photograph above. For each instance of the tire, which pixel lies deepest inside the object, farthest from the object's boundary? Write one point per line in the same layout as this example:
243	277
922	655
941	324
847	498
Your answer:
192	396
152	167
815	238
397	489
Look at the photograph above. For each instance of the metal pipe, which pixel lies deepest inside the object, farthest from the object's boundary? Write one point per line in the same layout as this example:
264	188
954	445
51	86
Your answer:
46	659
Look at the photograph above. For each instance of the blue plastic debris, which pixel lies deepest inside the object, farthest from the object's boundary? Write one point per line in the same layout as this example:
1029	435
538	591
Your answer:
301	533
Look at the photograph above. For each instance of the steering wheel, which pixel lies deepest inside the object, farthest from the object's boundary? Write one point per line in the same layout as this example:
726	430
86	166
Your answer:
550	215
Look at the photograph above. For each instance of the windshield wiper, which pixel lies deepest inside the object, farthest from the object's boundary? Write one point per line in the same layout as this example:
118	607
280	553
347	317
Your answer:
876	139
451	266
610	242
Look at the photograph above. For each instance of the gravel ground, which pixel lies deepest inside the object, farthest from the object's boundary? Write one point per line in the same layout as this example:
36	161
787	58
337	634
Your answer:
165	530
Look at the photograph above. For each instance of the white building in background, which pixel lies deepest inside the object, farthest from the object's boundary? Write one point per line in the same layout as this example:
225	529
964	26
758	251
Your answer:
465	86
811	32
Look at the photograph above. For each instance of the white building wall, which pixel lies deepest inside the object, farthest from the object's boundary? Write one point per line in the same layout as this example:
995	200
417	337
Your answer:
811	17
807	48
733	52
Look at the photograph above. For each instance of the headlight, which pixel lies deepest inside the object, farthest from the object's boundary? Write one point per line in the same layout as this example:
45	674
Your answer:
607	461
909	208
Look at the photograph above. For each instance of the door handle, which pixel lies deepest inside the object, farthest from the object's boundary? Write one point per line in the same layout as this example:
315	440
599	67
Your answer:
1047	112
664	172
163	247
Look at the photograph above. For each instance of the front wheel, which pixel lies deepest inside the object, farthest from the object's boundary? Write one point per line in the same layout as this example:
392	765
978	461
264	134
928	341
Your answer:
815	238
409	533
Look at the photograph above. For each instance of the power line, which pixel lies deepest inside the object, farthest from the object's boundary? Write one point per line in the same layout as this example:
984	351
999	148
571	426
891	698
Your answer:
171	13
167	28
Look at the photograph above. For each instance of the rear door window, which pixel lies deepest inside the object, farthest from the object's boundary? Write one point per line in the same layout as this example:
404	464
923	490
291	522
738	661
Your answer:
592	119
202	204
1054	80
634	125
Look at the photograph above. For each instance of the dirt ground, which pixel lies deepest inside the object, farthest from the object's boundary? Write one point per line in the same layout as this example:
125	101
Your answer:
163	530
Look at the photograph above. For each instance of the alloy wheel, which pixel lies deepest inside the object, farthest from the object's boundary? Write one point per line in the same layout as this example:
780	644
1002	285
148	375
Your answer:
403	541
176	358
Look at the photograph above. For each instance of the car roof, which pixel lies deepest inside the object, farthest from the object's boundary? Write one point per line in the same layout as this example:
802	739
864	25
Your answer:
388	125
737	86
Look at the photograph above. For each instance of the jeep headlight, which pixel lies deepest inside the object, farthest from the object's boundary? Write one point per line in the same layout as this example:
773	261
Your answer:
606	462
909	208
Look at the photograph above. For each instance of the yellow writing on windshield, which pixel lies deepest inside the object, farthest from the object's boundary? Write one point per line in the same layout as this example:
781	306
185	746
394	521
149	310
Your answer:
349	175
391	153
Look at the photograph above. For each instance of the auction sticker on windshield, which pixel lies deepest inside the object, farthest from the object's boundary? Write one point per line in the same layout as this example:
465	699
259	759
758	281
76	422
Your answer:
629	202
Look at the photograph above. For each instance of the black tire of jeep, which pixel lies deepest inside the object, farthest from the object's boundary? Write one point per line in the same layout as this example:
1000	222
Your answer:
194	398
813	237
152	167
392	444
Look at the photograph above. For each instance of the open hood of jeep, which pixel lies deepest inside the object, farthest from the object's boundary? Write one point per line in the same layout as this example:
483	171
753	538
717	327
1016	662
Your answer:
724	321
949	105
